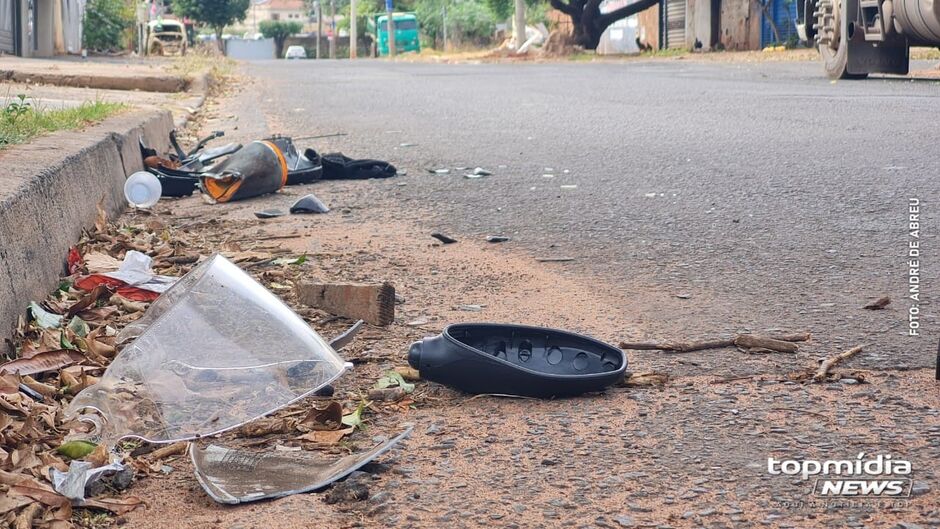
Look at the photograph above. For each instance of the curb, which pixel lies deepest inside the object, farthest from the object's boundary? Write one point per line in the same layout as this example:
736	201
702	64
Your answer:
50	188
146	83
49	191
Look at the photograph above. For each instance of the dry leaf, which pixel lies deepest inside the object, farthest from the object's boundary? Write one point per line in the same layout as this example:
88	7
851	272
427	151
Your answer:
646	379
43	389
118	506
42	362
24	520
9	384
101	220
98	263
89	300
266	426
326	437
98	457
329	417
98	314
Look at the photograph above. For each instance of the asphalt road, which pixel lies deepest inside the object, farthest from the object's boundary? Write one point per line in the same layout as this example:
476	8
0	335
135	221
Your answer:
715	197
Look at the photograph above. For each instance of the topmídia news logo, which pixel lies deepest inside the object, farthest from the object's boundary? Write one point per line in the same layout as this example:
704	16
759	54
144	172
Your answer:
873	476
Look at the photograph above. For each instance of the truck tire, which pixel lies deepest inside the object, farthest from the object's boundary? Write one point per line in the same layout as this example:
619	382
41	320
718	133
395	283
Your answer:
834	48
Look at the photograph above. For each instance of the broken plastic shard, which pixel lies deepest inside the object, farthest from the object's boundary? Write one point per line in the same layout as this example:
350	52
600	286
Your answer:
269	213
240	476
309	204
216	351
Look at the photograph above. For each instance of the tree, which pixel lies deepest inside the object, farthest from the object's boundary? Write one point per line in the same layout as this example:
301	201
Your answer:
279	30
468	22
105	24
214	13
590	23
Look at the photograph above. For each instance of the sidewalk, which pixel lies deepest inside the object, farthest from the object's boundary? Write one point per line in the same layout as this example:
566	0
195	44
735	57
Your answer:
148	76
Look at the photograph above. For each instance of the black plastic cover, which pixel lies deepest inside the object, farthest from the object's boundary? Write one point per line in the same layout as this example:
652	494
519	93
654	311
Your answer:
517	360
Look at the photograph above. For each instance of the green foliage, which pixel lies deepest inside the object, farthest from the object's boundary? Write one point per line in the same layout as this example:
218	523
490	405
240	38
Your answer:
27	121
501	9
16	110
468	21
279	29
106	23
214	13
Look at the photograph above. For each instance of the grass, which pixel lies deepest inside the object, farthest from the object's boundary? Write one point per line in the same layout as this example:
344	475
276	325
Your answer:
23	119
202	59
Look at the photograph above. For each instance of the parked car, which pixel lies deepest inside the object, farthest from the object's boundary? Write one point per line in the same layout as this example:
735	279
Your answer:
166	37
295	52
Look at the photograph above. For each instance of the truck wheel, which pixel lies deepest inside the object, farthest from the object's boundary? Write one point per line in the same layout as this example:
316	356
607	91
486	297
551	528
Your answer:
833	46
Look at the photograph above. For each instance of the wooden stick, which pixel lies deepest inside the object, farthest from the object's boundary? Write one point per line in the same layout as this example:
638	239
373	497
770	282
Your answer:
779	343
828	363
750	340
174	449
677	347
794	337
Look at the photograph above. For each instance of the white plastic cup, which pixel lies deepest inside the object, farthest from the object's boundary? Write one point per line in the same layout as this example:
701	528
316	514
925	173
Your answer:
142	189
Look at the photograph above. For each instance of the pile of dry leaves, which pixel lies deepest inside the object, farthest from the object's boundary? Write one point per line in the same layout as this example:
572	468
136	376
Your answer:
64	343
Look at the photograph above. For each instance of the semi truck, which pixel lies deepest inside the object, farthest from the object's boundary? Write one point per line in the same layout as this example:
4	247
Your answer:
859	37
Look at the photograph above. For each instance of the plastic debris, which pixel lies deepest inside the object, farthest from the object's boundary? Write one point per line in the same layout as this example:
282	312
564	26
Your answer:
269	213
497	238
517	360
257	169
302	168
214	352
133	280
142	189
82	476
309	204
240	476
443	238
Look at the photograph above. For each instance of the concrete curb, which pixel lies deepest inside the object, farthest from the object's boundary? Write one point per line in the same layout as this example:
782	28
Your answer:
146	83
49	191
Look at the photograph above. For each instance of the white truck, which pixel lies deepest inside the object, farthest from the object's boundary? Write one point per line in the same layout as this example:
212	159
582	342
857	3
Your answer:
859	37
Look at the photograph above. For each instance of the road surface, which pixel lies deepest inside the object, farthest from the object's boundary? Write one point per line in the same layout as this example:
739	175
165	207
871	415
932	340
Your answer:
718	197
709	199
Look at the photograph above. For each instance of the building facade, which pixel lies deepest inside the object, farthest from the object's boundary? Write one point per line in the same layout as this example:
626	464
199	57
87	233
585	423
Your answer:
706	25
41	28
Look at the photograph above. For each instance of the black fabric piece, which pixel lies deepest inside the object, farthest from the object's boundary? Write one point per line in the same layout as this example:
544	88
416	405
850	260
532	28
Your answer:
336	166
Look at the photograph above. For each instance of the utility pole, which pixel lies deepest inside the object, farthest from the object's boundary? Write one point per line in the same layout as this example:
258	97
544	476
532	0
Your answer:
319	8
332	29
520	23
444	24
353	33
389	9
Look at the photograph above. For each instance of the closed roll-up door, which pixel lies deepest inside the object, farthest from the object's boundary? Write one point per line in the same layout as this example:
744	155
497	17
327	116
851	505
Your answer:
674	24
7	27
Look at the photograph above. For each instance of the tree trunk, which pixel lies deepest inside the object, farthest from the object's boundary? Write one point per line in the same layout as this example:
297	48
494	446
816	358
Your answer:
218	38
590	23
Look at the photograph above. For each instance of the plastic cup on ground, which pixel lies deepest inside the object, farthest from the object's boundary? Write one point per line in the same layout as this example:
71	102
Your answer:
142	189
